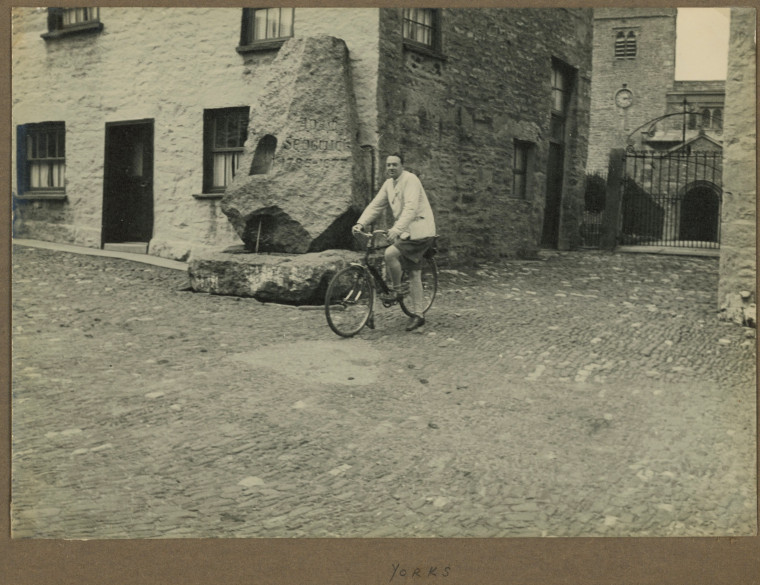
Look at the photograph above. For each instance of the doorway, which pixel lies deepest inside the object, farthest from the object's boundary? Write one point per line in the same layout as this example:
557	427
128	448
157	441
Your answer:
128	184
700	215
554	182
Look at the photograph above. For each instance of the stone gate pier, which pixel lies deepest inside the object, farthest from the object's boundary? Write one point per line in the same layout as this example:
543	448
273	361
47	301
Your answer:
737	292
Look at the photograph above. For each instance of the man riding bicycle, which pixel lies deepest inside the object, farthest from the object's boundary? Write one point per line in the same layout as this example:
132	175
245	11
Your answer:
412	234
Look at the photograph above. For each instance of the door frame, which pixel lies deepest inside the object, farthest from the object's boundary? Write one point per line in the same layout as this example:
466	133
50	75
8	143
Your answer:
107	171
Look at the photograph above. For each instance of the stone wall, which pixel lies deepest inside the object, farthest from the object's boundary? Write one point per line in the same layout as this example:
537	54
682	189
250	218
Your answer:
737	292
455	117
166	64
649	76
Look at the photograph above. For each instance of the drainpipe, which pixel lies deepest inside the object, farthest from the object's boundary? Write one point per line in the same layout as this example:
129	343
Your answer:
371	149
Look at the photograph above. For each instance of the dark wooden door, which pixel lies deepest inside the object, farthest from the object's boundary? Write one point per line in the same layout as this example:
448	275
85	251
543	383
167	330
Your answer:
554	179
128	182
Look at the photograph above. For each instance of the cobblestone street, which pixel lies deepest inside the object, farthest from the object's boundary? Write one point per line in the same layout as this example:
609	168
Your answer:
582	394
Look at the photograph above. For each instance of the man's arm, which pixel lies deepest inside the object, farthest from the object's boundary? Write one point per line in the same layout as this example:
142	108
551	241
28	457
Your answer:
374	209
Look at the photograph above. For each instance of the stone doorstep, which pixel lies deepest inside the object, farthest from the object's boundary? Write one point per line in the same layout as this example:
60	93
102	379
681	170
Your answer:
283	278
129	247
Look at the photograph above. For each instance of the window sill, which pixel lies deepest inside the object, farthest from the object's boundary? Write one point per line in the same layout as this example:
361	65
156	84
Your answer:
203	196
261	46
79	29
42	196
423	50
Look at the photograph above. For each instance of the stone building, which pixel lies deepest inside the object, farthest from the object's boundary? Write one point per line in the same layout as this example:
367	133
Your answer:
131	123
634	61
636	100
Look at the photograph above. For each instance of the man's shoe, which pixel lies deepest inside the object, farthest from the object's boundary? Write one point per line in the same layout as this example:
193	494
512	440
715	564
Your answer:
415	323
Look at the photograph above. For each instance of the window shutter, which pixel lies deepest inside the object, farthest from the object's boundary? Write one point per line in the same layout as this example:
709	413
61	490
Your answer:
620	46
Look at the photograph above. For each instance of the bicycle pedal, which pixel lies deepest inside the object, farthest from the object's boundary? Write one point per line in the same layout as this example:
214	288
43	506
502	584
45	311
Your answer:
371	323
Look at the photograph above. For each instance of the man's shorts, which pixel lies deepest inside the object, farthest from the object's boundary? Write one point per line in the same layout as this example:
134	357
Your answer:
412	252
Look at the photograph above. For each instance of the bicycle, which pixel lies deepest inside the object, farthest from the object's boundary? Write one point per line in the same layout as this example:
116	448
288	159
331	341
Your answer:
350	297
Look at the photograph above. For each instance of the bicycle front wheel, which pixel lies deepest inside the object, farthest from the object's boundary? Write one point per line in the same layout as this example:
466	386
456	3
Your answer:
429	273
349	300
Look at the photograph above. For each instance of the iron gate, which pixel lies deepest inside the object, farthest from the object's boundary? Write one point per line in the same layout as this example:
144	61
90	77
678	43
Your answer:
672	199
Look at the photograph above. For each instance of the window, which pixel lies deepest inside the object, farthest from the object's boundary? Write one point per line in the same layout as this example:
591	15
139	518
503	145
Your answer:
225	131
520	163
706	118
67	21
42	158
266	27
560	100
625	45
717	119
422	28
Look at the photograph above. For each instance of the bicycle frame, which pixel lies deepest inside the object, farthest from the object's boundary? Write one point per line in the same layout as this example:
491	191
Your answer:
377	277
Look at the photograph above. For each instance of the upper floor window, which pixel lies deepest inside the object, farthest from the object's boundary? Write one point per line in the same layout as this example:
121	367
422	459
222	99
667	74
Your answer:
66	21
42	157
422	28
625	44
266	27
709	119
224	133
561	86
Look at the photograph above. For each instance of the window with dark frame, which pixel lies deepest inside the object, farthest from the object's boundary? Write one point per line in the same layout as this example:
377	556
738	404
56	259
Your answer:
67	21
561	81
224	133
625	44
267	26
44	157
520	164
422	28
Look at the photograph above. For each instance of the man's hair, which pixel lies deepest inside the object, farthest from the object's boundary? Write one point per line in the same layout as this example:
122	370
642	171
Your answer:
398	154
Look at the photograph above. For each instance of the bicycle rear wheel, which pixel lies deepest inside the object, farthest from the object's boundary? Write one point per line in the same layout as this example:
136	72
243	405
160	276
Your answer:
349	300
429	288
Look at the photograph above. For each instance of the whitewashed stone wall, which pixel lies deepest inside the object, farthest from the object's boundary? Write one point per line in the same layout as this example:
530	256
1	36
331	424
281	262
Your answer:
166	64
737	292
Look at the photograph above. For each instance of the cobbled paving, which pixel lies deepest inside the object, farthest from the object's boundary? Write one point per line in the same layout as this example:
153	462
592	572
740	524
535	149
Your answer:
582	394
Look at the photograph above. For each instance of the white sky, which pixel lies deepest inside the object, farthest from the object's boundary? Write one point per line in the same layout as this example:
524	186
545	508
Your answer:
702	43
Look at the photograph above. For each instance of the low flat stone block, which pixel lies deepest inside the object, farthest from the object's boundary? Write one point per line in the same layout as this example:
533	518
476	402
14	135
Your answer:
280	278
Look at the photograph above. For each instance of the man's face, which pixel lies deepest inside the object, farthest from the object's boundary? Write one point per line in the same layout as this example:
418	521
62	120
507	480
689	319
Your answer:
393	167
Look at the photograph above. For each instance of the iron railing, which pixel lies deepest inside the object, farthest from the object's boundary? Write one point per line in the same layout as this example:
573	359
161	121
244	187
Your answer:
672	199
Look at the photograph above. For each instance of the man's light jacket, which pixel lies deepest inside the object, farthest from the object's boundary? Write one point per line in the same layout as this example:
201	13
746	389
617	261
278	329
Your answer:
408	203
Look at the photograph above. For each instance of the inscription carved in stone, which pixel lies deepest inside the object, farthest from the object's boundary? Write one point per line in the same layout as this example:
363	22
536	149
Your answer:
314	189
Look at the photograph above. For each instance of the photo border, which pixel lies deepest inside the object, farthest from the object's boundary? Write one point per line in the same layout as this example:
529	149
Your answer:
470	561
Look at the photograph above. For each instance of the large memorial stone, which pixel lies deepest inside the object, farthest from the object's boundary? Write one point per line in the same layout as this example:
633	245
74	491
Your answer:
301	182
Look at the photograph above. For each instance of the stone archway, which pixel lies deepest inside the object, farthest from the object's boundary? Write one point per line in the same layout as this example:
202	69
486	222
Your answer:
700	213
